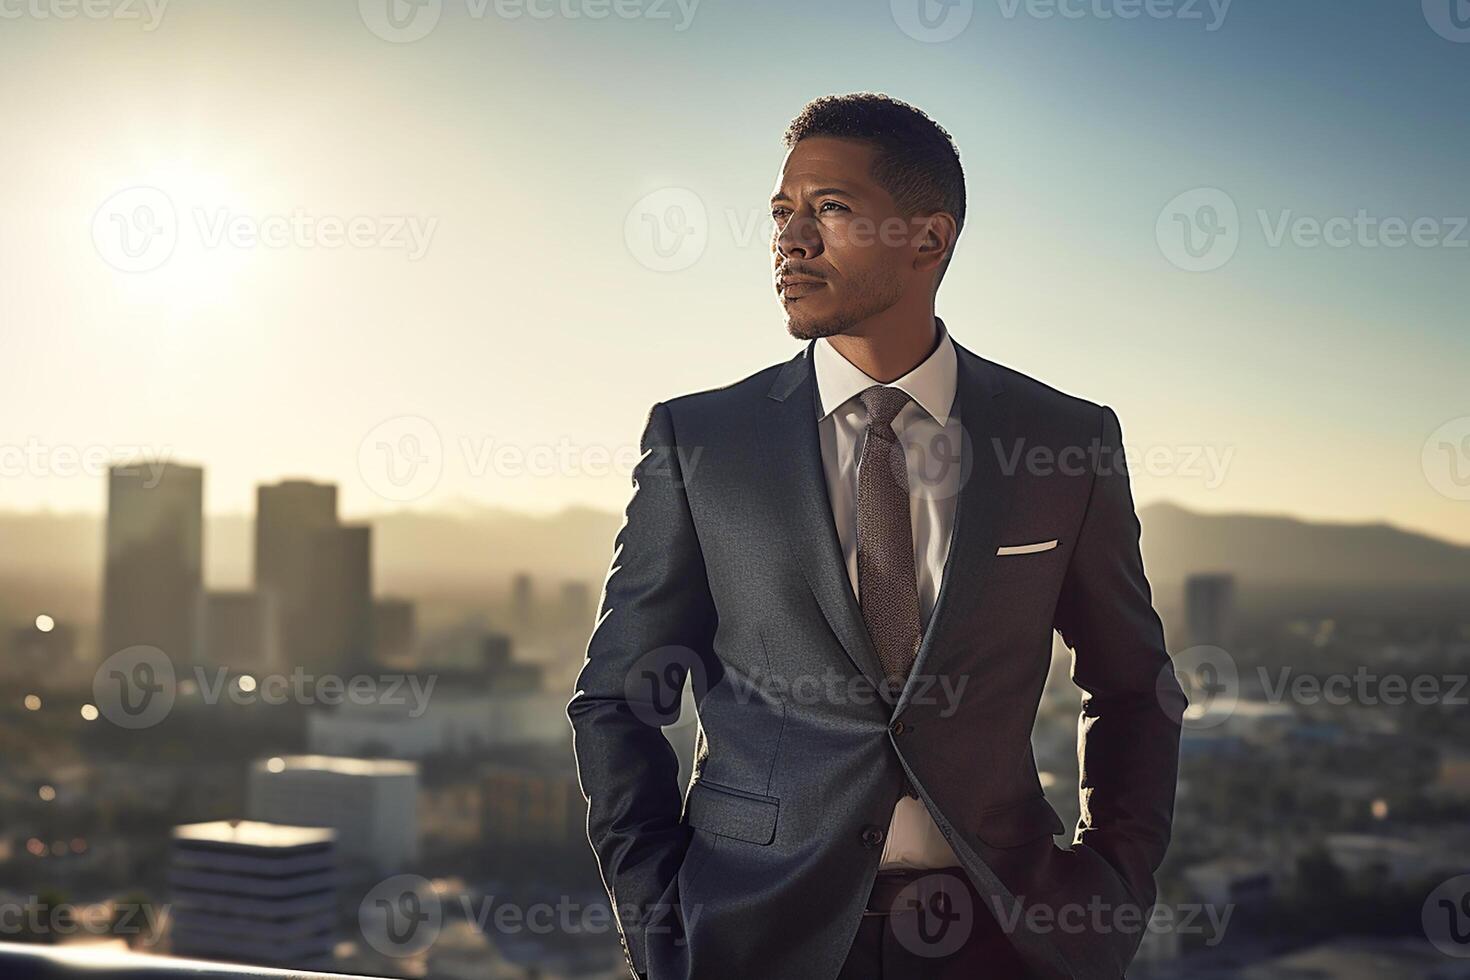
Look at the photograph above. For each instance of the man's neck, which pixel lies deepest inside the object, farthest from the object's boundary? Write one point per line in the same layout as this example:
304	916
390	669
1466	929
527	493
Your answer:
889	345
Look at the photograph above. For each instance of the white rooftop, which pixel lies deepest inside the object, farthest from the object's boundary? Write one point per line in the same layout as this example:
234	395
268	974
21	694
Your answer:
338	764
253	833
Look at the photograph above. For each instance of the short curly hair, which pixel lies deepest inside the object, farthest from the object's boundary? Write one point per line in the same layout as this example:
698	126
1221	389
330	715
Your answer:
917	162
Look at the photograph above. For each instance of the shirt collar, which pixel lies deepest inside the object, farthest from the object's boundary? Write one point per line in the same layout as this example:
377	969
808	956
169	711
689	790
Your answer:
931	383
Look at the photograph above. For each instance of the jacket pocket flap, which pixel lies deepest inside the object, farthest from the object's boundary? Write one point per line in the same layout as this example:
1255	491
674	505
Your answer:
1017	823
731	812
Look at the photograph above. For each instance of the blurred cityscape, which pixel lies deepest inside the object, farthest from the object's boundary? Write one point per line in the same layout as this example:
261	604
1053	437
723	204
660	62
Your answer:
283	771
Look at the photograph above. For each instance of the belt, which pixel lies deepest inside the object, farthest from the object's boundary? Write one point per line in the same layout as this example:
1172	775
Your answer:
888	896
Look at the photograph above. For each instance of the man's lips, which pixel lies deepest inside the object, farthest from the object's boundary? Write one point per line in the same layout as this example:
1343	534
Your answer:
795	287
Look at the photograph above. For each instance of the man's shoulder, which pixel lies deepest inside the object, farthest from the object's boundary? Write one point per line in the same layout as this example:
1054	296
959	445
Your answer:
737	395
1042	406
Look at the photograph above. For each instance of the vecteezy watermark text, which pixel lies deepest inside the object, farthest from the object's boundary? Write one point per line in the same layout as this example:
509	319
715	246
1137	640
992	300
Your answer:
150	12
37	458
406	21
137	688
138	229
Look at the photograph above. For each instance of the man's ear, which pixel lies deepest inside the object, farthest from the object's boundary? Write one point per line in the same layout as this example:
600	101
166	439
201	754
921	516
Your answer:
935	237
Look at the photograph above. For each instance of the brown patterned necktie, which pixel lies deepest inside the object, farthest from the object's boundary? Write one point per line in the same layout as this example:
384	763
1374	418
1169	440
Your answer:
888	589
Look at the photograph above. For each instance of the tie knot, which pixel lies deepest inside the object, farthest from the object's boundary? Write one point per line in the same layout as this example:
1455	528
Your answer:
884	404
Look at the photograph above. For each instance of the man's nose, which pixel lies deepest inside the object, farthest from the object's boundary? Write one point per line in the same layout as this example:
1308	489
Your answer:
799	237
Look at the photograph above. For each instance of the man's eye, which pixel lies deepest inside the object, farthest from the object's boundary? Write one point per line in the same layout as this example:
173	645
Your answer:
778	213
833	204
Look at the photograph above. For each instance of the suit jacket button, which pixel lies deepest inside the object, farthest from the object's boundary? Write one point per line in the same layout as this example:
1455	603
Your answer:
896	728
872	836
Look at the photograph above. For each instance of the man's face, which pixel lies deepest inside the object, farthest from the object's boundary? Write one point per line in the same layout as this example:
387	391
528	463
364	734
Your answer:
840	250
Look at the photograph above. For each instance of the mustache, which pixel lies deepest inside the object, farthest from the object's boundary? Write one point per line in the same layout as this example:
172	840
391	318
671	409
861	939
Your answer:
797	272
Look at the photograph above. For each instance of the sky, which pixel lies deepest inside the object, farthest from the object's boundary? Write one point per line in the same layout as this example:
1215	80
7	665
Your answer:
450	252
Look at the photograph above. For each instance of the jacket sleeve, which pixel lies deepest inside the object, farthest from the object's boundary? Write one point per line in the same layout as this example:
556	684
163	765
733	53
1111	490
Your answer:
1132	706
656	622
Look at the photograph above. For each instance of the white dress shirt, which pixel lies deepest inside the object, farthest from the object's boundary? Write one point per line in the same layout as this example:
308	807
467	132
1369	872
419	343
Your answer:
928	427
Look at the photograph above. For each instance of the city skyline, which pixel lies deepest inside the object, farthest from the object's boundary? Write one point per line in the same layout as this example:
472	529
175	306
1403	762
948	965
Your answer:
527	280
336	628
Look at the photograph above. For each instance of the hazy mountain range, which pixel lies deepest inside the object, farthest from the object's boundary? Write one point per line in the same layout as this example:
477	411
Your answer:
55	559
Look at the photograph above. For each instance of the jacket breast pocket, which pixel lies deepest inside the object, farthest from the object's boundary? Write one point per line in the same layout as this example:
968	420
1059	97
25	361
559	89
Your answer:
731	812
1018	823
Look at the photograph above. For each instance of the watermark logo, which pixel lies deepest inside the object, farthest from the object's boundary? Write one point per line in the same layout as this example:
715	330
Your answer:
654	687
402	458
932	21
932	462
136	229
401	916
400	21
933	916
1210	680
1449	18
134	688
1199	230
1446	917
667	230
1446	459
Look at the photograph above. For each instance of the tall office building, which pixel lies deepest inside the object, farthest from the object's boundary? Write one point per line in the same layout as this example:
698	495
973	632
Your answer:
288	516
1209	609
257	893
372	804
154	550
238	630
341	610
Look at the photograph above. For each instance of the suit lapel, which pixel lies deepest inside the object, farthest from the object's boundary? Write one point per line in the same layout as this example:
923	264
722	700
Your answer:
988	425
787	424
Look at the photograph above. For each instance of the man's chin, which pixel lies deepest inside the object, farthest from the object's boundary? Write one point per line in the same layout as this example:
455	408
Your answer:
810	328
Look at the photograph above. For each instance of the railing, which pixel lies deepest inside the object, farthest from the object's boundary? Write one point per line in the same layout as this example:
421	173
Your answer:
22	961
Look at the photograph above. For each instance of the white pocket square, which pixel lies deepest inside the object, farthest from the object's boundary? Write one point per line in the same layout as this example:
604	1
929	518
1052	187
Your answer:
1026	549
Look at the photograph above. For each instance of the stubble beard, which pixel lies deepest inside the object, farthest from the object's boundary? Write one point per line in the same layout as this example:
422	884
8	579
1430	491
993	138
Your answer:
872	296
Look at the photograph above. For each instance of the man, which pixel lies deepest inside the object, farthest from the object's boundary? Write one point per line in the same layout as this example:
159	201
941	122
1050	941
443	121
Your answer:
857	559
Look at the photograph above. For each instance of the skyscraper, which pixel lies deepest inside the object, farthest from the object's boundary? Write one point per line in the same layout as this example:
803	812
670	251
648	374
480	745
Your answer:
1209	602
340	613
155	545
287	516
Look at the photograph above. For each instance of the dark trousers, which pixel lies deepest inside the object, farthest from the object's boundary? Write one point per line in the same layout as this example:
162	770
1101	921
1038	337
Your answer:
930	924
